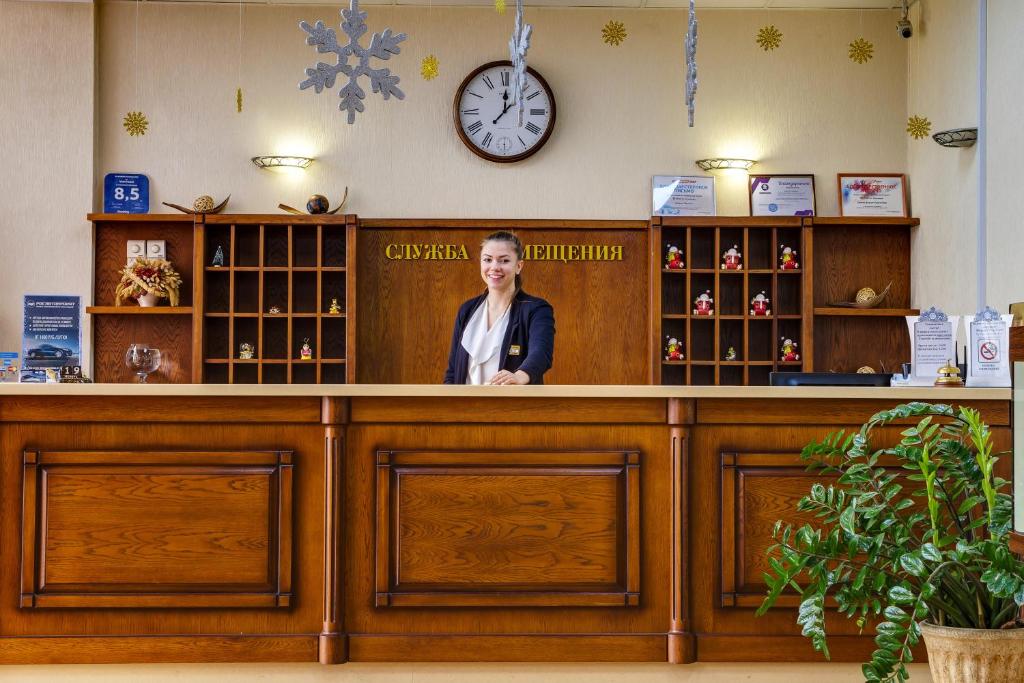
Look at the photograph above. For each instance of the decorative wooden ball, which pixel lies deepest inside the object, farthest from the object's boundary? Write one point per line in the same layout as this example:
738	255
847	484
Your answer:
203	204
865	294
317	203
865	370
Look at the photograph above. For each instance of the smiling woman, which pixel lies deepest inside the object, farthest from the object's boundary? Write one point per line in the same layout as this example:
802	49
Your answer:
503	336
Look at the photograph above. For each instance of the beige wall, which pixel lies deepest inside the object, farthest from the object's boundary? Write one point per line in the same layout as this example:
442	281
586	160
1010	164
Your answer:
46	176
943	86
1005	276
621	117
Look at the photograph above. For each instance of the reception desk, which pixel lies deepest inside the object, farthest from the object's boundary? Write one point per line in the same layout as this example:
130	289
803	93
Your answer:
388	523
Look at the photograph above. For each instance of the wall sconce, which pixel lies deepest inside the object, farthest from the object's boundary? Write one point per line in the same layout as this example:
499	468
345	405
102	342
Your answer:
719	164
282	162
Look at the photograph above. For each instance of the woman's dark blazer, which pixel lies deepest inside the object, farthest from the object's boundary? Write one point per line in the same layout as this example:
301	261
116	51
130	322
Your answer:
531	328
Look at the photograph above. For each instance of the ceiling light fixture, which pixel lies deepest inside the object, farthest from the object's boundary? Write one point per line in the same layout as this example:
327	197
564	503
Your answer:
718	164
282	162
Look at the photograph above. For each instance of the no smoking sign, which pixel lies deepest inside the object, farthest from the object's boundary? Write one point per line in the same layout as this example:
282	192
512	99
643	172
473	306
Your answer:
988	352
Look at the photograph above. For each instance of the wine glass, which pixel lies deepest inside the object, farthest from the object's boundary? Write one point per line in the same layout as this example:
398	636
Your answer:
142	360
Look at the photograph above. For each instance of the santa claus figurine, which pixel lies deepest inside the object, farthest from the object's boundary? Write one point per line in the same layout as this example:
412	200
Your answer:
788	259
704	304
789	350
673	349
732	259
759	305
673	258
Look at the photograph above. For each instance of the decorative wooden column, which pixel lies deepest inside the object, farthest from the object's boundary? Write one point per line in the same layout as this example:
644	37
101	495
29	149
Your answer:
333	645
681	643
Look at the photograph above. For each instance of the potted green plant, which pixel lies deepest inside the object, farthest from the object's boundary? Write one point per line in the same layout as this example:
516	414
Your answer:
147	281
912	538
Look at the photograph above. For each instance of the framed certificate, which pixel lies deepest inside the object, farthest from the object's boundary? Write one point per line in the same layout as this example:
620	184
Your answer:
683	195
862	194
782	195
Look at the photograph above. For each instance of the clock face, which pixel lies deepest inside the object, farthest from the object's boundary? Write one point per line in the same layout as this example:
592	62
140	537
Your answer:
488	121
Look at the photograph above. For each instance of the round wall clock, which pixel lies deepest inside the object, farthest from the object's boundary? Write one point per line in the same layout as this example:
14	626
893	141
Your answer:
487	120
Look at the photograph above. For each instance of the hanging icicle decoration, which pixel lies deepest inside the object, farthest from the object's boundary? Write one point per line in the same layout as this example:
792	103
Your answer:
691	64
518	45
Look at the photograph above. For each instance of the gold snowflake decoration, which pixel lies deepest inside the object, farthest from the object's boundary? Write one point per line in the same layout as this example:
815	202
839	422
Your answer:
429	69
499	6
769	38
613	33
919	127
861	50
135	123
238	100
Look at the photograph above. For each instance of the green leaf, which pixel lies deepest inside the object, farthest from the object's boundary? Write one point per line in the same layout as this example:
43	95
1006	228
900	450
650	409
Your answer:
901	595
913	564
931	553
848	518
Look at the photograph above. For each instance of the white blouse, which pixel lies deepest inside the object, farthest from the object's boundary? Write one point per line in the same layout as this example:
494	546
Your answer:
484	345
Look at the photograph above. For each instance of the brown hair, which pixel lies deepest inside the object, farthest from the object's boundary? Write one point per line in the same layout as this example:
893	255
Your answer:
509	238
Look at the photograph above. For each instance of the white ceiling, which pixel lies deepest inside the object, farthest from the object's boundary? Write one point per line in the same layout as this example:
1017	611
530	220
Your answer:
701	4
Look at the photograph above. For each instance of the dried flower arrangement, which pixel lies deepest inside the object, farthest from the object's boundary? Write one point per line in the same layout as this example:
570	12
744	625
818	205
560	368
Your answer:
148	276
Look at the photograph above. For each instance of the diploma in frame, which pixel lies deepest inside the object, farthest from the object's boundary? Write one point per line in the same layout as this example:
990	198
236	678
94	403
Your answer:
880	194
782	195
683	195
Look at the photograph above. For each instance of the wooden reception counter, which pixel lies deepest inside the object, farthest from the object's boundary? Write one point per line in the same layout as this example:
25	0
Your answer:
392	523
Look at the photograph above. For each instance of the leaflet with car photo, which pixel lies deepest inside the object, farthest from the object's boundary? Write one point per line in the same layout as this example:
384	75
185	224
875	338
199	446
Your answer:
52	336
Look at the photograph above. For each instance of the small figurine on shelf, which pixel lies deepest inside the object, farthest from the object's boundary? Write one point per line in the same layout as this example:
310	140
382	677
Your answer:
730	355
274	310
673	349
306	352
335	308
245	351
787	260
218	257
704	304
789	350
732	259
760	304
673	258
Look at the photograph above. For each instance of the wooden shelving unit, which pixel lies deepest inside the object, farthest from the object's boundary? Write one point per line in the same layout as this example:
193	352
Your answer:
706	339
298	263
837	256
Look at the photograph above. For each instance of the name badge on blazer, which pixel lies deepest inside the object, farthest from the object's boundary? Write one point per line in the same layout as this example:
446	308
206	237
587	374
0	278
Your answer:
513	350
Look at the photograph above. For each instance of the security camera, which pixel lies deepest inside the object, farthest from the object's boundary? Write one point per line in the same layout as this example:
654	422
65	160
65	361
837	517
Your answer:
904	28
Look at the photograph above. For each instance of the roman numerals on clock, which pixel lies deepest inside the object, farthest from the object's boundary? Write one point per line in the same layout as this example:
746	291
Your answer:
487	116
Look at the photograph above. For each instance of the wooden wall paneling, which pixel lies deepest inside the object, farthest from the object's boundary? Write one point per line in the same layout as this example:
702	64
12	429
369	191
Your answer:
462	529
807	299
508	410
156	529
333	642
159	409
681	642
654	306
827	412
351	299
847	343
111	235
198	374
849	257
601	307
172	334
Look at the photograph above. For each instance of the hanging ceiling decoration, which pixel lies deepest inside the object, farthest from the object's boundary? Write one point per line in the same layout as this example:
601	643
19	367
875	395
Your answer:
918	127
691	63
861	51
613	33
769	38
518	45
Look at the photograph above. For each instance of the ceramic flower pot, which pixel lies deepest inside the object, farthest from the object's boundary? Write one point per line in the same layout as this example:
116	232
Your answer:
956	655
149	299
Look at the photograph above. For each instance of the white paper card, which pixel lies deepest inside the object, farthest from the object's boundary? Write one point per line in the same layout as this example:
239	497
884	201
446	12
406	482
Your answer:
684	195
988	357
932	344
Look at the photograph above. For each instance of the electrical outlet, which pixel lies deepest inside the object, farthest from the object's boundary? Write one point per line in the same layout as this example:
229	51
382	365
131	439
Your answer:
136	249
156	249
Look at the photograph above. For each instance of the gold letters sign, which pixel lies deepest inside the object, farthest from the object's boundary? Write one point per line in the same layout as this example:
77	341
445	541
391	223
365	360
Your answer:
533	252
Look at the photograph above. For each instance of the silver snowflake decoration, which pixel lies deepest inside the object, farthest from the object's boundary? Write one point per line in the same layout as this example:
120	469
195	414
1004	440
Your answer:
382	46
691	64
518	45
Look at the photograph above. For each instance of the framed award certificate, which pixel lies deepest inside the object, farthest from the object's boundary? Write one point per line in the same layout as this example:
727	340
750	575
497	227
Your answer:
782	195
683	195
873	195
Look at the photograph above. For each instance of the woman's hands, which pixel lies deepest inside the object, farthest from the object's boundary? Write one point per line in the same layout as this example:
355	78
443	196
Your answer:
506	377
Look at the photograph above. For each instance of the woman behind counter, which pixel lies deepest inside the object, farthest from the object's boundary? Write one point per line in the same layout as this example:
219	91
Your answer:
503	336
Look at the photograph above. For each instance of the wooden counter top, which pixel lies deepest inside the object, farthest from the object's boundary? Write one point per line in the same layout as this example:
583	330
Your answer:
547	391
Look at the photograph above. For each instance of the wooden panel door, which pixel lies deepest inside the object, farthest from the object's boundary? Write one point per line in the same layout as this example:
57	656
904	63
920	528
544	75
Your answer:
485	529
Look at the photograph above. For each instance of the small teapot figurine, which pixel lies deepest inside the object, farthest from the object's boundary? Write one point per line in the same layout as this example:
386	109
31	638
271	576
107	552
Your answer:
732	259
760	305
306	352
704	304
673	258
673	349
787	259
789	353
